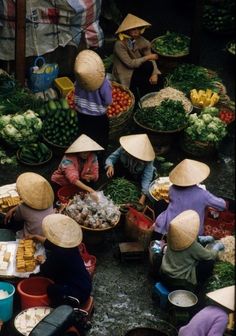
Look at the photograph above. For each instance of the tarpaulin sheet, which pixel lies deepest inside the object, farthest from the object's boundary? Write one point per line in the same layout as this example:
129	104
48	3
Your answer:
50	24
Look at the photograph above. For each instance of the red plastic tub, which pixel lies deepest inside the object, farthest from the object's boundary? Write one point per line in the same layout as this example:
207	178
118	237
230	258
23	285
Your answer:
33	292
66	192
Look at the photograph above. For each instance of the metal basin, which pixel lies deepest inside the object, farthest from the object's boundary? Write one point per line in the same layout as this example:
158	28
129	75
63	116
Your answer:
182	298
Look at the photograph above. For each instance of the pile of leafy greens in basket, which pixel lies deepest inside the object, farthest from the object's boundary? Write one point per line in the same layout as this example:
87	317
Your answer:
168	116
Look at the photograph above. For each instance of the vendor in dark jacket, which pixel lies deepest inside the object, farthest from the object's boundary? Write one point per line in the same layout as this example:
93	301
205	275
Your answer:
63	264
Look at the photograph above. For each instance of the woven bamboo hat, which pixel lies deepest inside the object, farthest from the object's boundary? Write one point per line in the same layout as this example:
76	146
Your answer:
189	172
183	230
139	146
35	191
224	296
131	21
62	230
84	144
89	70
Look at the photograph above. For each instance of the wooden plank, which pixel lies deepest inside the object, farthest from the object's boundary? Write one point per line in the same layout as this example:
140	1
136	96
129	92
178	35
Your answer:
20	41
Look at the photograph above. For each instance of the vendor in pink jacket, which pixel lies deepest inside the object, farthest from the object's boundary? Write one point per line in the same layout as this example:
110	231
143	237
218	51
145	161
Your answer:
213	319
79	165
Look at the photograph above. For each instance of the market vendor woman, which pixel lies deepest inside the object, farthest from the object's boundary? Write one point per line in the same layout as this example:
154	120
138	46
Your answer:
186	264
134	64
185	193
63	264
134	160
37	202
79	165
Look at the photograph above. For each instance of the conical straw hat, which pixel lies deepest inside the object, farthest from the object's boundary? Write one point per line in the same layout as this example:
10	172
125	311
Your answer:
84	144
131	21
183	230
62	230
139	146
224	296
35	191
89	70
189	172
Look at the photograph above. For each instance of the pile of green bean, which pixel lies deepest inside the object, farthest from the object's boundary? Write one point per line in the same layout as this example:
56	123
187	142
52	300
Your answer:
122	191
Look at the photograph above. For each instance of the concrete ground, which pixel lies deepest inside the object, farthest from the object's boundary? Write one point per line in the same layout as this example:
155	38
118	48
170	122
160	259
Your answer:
123	289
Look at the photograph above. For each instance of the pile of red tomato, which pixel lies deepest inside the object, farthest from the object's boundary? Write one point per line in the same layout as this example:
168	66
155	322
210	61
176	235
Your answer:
71	99
121	101
226	115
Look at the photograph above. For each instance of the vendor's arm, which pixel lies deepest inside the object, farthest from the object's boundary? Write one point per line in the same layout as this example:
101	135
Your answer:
37	238
120	50
106	92
111	160
215	202
91	169
10	214
201	253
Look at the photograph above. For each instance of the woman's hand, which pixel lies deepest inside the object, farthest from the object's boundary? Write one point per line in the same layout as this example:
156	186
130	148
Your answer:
94	196
36	238
40	259
153	79
142	199
151	57
110	171
9	215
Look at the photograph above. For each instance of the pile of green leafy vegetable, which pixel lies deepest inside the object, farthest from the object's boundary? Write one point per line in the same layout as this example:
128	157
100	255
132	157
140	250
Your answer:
187	77
168	116
16	99
122	191
7	160
171	44
20	129
205	128
223	275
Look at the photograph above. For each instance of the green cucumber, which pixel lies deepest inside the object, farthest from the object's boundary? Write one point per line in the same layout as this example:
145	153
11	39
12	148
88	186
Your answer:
52	105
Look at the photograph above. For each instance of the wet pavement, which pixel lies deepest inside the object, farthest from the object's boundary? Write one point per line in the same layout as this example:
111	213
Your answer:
123	289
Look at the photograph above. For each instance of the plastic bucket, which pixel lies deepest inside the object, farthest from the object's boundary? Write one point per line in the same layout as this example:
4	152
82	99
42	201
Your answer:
33	292
6	305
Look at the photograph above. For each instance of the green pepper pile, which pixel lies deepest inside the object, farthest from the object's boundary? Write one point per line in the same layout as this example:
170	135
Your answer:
122	191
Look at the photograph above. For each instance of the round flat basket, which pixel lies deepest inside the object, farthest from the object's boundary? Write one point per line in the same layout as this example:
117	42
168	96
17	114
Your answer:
88	229
153	94
156	131
159	188
57	149
24	318
33	164
182	298
197	148
176	55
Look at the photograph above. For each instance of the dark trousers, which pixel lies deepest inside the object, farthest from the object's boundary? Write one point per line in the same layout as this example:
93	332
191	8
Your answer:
58	293
96	127
140	84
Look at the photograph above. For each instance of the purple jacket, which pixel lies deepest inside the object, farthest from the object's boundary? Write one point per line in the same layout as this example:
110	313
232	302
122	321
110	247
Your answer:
187	198
210	321
93	103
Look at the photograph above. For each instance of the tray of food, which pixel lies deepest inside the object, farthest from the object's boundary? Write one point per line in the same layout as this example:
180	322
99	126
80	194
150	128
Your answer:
159	188
27	319
18	258
8	197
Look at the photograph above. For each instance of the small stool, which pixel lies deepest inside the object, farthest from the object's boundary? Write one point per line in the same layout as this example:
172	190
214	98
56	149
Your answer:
131	251
88	306
162	292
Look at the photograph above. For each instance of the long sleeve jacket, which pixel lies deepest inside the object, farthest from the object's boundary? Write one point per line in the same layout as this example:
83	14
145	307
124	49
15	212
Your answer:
181	199
72	168
182	264
210	321
128	56
139	169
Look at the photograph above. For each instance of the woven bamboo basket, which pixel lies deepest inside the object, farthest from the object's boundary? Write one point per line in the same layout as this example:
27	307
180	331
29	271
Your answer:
198	148
134	231
120	121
